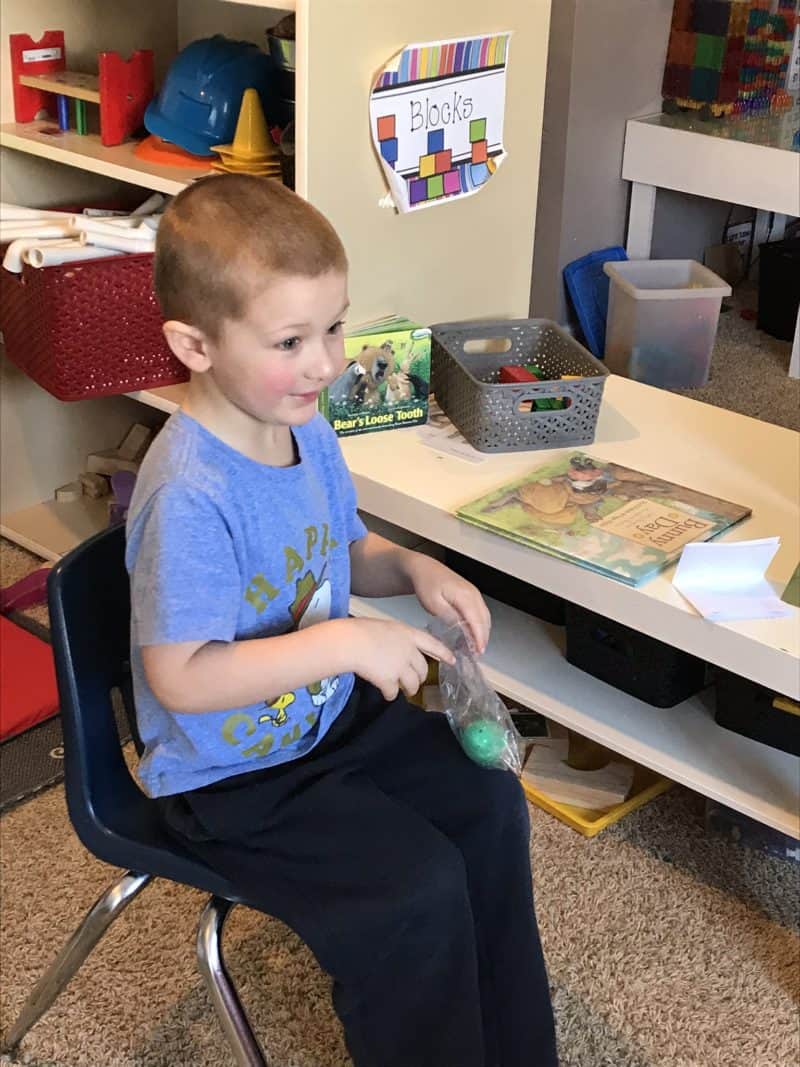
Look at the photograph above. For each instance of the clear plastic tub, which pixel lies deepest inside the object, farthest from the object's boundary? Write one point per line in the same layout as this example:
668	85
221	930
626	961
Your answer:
662	320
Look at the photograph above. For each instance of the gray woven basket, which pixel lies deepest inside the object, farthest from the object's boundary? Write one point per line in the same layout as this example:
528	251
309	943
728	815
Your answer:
497	418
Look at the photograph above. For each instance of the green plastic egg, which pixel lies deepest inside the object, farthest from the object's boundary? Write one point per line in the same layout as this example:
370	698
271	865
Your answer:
484	742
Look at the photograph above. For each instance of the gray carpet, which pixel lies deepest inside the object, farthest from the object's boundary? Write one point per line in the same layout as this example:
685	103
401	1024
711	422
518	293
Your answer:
666	948
749	369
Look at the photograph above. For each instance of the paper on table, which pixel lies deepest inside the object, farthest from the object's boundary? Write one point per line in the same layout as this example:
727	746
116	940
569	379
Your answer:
441	434
726	581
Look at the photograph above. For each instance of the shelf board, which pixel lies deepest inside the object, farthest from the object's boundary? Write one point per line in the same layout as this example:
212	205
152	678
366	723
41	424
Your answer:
52	529
165	398
525	662
88	153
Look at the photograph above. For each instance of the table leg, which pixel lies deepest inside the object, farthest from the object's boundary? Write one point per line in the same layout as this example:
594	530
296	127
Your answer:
640	220
794	362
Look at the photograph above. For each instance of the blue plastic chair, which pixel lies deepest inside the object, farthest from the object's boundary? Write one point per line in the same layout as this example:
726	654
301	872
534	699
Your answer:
90	619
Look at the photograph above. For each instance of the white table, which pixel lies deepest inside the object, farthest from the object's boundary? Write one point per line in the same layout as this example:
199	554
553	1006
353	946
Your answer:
736	160
404	482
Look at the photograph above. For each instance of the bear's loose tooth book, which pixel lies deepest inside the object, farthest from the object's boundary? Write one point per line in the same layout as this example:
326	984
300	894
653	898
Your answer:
611	519
386	380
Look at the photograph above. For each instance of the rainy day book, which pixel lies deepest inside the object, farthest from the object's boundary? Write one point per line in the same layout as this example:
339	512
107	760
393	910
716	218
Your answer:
611	519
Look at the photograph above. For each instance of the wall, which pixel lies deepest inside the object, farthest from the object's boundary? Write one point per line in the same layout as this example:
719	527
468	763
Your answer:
605	65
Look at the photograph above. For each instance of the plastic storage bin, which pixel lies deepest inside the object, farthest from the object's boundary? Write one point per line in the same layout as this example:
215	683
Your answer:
518	594
497	417
752	710
631	661
88	329
662	321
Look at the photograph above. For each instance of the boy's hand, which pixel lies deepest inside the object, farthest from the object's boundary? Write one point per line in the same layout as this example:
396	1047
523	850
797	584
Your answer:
391	655
448	596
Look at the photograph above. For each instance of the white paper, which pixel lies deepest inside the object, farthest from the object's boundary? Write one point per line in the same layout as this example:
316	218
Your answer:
439	433
724	582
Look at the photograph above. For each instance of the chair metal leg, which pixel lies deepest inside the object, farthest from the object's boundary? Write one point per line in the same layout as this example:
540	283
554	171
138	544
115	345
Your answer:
226	1002
98	919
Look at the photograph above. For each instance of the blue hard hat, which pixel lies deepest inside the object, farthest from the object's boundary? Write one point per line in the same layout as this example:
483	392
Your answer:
198	104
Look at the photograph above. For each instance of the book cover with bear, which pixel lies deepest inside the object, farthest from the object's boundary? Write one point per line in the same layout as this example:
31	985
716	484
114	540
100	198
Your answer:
386	380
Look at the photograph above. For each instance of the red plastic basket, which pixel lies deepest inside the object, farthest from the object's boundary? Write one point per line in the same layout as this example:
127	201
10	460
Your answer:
90	328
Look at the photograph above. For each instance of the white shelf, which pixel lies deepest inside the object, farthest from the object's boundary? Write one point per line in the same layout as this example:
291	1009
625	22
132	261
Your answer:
52	529
88	153
276	5
401	480
739	161
166	398
525	662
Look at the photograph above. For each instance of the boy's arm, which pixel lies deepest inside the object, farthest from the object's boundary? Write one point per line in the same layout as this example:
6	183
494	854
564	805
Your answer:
380	568
197	676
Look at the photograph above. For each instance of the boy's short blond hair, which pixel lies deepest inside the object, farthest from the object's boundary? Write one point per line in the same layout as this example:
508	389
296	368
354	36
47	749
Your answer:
222	238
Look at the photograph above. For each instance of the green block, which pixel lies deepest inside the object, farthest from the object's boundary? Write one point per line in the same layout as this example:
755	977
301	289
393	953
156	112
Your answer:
709	51
435	186
477	130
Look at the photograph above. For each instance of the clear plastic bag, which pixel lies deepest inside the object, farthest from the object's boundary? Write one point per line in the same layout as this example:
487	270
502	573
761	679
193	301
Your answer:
476	714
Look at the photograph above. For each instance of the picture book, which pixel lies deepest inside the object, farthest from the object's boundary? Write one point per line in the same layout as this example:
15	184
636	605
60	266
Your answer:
619	522
386	380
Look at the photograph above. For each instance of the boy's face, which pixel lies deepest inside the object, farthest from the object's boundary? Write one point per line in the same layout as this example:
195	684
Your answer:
274	361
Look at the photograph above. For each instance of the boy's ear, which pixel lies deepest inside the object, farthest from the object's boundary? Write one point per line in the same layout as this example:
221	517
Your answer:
188	344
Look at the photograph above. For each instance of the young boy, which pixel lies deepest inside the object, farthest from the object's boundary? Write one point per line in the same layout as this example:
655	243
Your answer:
274	729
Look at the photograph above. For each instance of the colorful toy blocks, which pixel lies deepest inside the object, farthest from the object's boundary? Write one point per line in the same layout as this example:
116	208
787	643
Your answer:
729	56
122	88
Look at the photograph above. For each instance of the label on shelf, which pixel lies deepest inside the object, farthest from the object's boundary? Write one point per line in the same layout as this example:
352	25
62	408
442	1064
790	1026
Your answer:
36	55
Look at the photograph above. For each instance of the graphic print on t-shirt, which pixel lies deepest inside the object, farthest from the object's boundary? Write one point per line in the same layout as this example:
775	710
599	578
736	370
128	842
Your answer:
311	603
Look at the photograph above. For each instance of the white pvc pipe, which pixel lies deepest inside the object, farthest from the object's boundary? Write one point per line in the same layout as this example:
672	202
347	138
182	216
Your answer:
15	253
103	225
42	256
151	204
34	230
14	212
121	242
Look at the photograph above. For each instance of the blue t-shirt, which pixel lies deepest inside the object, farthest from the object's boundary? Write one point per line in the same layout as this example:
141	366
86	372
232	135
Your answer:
222	548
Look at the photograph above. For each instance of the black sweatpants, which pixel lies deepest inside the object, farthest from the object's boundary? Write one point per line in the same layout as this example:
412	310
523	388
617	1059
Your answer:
404	867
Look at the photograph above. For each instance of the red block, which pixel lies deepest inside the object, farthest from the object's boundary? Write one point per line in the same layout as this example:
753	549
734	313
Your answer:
444	161
509	375
386	127
28	101
480	151
126	88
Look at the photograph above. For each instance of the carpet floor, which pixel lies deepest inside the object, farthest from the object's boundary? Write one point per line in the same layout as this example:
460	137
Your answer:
749	368
666	948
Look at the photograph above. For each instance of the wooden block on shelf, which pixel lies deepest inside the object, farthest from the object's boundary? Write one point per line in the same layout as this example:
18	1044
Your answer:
547	771
109	462
135	442
69	493
95	486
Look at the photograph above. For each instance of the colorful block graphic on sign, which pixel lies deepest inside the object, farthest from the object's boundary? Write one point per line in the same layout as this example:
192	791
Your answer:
436	114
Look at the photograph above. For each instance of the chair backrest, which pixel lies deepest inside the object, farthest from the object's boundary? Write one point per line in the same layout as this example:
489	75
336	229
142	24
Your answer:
89	599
